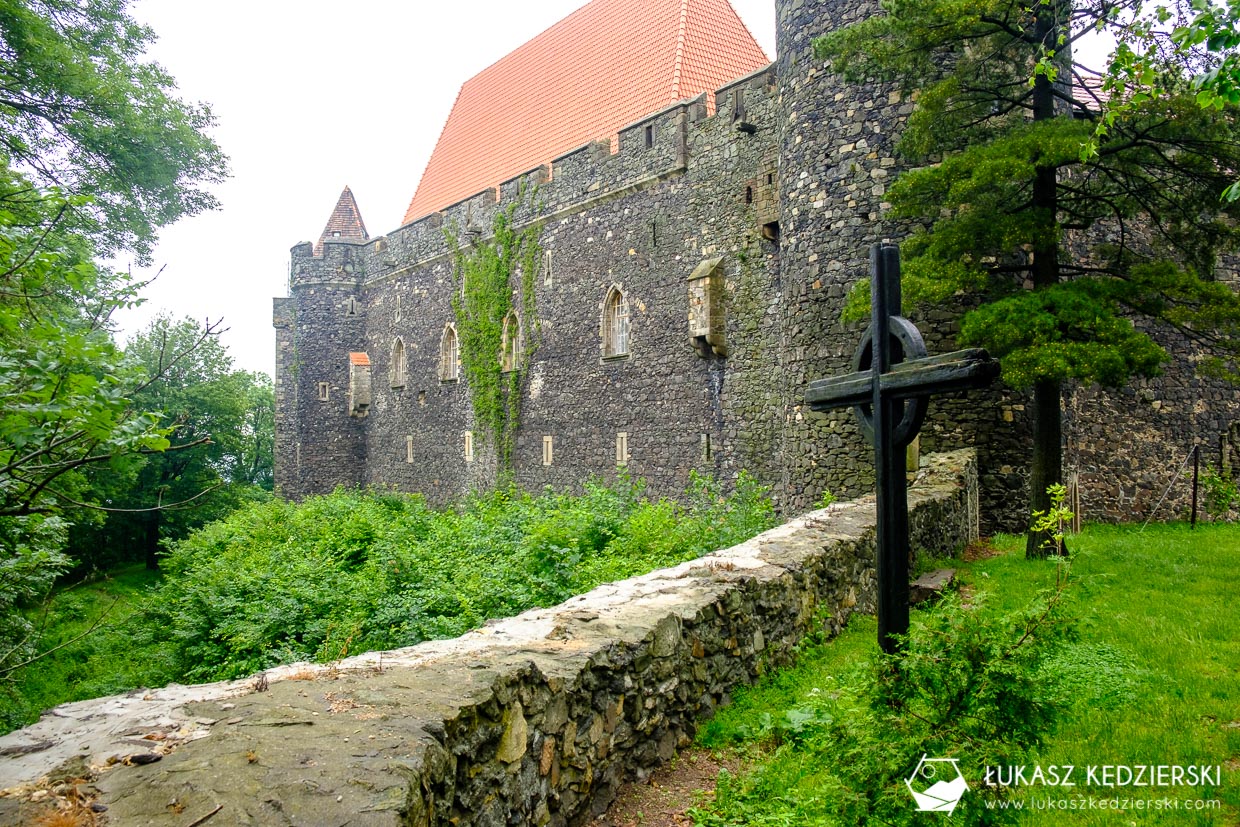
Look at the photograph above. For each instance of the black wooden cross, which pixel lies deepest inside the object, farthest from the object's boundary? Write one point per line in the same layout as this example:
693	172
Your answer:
892	378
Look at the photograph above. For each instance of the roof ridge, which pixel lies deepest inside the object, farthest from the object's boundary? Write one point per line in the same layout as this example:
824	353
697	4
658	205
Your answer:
679	63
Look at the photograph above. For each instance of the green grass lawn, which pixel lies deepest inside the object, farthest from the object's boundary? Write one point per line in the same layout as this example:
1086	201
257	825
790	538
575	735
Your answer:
99	652
1156	670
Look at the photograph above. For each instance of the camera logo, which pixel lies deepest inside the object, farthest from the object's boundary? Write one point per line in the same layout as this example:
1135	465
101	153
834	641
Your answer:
936	785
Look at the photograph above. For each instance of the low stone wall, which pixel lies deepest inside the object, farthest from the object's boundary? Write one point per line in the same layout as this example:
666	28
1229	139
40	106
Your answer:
531	720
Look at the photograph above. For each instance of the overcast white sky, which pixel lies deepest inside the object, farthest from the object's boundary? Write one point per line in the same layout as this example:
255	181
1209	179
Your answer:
312	95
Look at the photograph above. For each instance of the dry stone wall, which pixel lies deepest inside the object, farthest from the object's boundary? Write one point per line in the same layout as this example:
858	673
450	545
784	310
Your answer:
534	720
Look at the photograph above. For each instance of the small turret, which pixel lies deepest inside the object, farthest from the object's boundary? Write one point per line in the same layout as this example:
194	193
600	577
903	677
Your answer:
344	224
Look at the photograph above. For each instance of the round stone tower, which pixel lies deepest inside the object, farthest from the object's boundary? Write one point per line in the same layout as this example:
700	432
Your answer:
837	155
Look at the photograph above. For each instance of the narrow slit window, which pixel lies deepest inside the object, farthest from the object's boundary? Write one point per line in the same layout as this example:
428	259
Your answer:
408	449
649	136
622	448
469	446
548	450
324	391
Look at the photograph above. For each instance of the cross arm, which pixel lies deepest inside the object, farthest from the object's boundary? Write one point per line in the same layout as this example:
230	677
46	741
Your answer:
945	373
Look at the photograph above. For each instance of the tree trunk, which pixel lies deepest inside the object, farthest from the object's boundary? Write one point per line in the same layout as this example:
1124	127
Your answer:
151	540
1047	466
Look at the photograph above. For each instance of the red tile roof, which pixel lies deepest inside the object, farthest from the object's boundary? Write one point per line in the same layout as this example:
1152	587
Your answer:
362	359
345	222
603	67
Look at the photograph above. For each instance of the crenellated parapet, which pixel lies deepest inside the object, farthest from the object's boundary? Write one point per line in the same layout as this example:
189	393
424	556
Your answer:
655	148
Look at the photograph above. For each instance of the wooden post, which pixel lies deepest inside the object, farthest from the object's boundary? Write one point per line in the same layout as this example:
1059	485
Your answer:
1192	523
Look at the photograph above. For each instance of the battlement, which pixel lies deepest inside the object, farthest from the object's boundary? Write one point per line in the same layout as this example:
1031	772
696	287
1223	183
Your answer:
653	148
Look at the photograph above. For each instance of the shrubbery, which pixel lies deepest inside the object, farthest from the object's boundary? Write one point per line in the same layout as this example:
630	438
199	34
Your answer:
968	685
350	572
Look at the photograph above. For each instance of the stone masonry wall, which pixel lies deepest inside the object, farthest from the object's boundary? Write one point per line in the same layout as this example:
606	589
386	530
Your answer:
838	154
682	187
532	720
782	177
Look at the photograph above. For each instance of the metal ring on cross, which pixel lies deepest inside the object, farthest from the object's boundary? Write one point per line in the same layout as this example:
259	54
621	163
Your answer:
906	344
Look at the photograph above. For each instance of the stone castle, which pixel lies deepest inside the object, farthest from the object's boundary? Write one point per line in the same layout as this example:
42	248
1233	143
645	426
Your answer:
697	255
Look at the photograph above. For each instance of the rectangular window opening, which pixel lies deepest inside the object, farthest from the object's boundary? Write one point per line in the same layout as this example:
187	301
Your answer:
324	391
408	449
469	446
548	450
706	450
622	448
649	136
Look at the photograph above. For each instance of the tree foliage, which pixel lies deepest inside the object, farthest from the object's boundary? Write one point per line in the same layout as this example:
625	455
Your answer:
1167	49
220	420
83	112
1060	249
96	154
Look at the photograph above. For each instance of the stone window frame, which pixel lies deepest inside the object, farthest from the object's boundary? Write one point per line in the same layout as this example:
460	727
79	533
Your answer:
511	346
350	307
615	324
548	454
409	448
449	354
398	372
469	446
325	391
622	449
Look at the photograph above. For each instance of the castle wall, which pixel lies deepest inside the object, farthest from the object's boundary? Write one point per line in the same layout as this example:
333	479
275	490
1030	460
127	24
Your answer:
783	183
681	188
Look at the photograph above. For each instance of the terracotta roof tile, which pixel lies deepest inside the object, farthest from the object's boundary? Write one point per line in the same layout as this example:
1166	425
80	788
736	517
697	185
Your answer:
345	222
604	66
359	359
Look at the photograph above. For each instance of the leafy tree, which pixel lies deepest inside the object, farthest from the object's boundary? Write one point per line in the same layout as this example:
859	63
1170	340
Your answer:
96	154
81	111
1061	251
1162	49
221	420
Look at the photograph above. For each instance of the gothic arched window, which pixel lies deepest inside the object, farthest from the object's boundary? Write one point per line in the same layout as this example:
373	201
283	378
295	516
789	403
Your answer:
510	353
449	355
615	323
398	364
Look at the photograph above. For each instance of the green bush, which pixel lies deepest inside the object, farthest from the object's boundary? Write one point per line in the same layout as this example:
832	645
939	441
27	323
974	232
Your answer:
351	571
967	685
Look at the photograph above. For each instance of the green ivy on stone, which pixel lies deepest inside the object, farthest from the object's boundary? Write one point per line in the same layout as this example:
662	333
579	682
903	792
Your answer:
484	272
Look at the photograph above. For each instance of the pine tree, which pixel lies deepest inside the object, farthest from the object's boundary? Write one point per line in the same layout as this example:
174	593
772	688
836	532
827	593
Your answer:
1061	248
